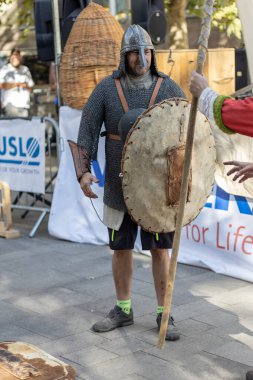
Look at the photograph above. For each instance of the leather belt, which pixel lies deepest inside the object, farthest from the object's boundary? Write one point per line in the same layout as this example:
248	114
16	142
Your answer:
110	136
113	137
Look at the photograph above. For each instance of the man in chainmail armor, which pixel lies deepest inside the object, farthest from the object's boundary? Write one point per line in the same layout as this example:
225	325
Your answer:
135	81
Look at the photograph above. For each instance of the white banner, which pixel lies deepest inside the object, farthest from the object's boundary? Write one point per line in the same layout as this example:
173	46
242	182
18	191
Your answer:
72	216
220	238
22	154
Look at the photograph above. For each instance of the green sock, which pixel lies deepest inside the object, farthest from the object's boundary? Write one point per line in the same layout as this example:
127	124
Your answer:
125	305
159	309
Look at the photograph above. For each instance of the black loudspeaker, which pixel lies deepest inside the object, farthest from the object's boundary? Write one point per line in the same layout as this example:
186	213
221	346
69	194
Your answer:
43	16
140	12
150	15
242	78
71	10
44	29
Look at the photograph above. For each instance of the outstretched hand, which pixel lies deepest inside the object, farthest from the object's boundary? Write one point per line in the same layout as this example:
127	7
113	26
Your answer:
243	170
85	184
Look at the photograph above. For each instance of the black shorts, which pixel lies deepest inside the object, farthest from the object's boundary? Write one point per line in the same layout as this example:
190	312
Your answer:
124	239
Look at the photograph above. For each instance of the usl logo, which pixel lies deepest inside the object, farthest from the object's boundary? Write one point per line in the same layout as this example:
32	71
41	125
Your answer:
19	151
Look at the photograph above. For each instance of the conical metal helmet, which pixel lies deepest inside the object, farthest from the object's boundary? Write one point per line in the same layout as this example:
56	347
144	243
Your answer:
136	38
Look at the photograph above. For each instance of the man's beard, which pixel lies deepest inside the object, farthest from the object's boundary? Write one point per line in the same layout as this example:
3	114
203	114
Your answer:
137	72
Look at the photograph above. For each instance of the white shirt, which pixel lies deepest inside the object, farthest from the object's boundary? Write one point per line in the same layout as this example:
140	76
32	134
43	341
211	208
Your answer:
18	97
113	218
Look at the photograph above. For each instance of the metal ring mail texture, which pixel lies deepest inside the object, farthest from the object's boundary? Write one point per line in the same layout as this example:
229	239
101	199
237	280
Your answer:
152	165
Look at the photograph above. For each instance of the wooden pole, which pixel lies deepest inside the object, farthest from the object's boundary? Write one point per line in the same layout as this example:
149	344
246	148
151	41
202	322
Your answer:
203	40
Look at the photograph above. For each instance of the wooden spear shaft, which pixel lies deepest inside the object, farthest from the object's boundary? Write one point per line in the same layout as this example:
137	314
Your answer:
203	41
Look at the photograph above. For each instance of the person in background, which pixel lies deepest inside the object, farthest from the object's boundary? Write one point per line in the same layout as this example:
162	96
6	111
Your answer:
231	116
16	84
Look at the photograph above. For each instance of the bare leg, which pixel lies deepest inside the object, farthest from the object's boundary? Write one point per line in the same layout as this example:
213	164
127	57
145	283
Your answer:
160	268
122	269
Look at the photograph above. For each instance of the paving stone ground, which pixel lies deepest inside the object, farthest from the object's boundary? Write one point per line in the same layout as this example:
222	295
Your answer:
52	291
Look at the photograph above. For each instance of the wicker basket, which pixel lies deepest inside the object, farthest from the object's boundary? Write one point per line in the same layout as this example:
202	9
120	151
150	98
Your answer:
90	54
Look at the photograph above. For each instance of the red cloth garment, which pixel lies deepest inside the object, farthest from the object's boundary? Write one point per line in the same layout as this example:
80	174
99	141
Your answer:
238	115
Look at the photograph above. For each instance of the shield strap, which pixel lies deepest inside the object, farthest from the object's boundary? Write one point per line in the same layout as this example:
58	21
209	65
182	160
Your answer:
155	92
121	95
125	105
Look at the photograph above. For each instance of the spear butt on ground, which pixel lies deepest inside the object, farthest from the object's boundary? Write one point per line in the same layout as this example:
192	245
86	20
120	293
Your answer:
203	41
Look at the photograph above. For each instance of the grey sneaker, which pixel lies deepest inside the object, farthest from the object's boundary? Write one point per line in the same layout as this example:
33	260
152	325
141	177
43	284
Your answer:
249	375
116	318
172	331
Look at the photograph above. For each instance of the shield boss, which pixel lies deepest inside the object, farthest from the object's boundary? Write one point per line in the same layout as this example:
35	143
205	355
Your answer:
152	166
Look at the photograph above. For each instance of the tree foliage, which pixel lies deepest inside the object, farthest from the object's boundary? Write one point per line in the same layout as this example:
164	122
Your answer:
225	15
177	31
24	16
2	2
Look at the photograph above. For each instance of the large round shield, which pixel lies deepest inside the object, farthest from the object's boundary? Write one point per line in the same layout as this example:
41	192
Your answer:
152	166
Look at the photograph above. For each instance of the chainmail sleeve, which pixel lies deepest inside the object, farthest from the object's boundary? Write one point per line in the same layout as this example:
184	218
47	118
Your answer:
92	120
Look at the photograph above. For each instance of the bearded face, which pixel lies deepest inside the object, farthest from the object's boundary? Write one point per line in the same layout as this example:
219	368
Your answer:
133	62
